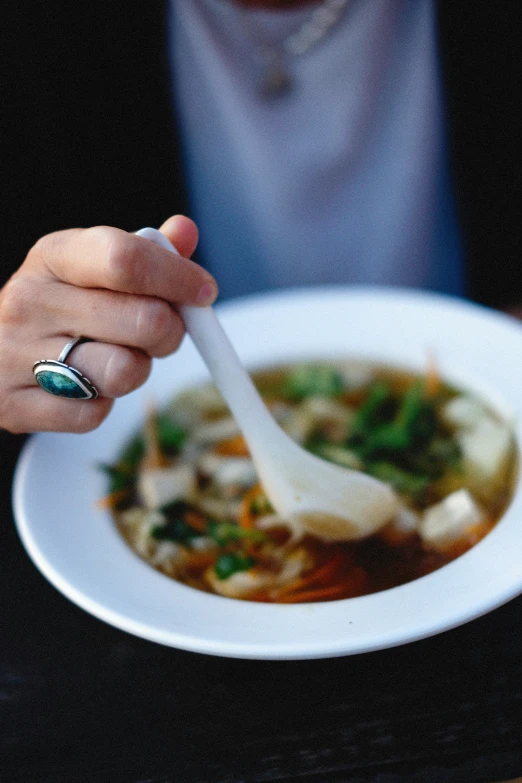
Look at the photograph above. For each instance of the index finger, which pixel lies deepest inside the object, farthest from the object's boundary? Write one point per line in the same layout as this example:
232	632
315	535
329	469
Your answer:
106	257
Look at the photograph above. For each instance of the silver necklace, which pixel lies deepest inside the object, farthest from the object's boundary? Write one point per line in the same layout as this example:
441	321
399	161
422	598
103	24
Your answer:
276	78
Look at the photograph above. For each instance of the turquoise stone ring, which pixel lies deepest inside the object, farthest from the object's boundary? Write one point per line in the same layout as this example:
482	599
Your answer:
62	380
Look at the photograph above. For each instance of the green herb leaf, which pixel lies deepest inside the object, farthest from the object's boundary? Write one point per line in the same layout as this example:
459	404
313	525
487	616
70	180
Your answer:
313	380
389	437
438	456
132	455
176	527
224	533
118	478
385	424
170	435
231	563
403	481
372	410
340	455
175	530
261	505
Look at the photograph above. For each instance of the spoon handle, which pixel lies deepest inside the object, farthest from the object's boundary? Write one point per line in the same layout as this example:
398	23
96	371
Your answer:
228	373
224	365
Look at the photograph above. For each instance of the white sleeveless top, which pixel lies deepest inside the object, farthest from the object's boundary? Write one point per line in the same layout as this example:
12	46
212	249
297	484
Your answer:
343	180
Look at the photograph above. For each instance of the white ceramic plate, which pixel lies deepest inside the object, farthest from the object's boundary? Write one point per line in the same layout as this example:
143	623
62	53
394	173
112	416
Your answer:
78	549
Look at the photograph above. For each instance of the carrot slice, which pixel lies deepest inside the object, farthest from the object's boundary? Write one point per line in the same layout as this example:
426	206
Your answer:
477	532
232	447
111	500
321	574
349	584
195	520
199	561
433	380
317	594
153	457
472	535
246	515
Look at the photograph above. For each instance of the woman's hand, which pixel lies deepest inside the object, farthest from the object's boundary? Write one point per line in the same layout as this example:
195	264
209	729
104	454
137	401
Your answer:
104	284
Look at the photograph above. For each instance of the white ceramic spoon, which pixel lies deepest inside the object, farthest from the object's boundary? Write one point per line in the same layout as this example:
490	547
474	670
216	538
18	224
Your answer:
329	501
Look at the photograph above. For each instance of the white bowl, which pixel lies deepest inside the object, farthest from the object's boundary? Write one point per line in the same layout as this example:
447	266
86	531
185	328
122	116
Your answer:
79	550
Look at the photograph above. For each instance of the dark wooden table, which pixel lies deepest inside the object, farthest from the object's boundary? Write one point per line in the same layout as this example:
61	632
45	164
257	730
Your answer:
83	702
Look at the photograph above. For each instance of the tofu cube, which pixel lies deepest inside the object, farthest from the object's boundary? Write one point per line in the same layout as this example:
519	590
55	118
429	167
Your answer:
485	447
214	431
228	470
463	412
159	486
446	522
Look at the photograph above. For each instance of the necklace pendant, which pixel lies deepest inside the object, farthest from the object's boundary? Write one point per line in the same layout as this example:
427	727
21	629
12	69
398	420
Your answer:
276	82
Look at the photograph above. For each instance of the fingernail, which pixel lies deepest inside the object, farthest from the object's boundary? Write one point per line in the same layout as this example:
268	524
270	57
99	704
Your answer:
207	294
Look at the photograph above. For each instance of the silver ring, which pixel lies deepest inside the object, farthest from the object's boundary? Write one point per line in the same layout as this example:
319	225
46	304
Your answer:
58	378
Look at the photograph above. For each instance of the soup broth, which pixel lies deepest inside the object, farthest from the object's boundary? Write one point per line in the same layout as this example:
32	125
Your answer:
186	498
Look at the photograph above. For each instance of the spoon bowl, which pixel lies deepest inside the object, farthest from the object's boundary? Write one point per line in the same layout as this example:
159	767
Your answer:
329	501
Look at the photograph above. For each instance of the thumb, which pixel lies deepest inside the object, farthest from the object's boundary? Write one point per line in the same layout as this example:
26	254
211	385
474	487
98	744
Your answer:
182	232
